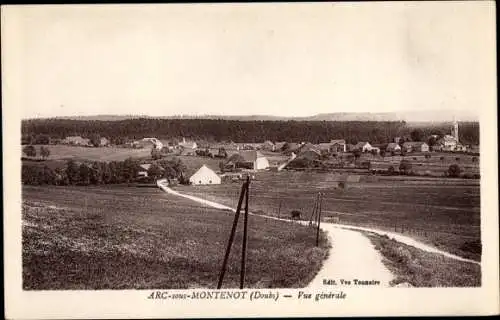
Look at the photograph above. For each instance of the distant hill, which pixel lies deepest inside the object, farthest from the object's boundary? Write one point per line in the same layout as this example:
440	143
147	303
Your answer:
408	116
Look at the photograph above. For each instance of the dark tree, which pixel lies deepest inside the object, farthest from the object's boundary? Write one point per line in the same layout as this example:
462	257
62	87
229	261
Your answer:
42	139
155	171
417	135
454	170
44	152
95	139
72	172
84	175
405	166
30	151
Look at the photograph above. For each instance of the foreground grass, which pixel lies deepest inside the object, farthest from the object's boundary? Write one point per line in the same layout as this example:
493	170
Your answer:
137	238
424	269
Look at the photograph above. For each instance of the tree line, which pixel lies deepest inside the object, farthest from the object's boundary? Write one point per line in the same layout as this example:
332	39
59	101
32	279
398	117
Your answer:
239	131
96	173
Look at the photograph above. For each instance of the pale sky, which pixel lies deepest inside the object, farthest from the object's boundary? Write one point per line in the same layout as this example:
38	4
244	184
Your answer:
240	59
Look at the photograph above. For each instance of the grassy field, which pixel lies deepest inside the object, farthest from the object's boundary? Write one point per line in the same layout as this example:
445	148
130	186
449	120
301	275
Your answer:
435	165
441	212
66	152
141	238
424	269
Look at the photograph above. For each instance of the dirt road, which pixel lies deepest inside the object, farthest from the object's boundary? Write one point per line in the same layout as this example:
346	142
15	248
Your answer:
352	257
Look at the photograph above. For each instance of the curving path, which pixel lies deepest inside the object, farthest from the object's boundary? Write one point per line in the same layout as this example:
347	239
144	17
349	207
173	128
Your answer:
352	255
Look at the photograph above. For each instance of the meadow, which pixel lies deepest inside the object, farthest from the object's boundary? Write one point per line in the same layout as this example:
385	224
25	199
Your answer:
424	269
66	152
115	237
442	212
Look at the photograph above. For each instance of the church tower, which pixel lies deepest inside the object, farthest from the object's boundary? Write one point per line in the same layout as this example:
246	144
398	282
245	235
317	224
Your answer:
454	131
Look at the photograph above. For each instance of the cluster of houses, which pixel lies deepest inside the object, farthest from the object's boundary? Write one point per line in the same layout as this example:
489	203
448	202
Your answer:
84	142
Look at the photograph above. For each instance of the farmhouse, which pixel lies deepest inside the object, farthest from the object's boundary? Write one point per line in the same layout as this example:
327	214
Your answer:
362	146
203	176
448	143
292	147
250	159
77	141
338	145
307	146
310	155
325	148
104	142
415	147
393	147
188	148
157	144
268	146
278	146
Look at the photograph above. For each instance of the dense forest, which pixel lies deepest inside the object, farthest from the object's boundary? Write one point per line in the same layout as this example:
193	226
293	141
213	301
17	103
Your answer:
244	131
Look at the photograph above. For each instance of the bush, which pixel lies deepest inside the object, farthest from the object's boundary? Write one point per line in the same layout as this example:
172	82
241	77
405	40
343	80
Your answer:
454	171
441	158
296	214
474	159
390	170
405	166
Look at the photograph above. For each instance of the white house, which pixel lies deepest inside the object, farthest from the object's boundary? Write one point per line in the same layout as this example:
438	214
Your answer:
416	146
157	144
339	145
249	159
204	175
393	147
363	146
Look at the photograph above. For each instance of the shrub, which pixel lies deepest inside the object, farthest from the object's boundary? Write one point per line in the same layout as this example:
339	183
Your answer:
454	170
390	170
441	158
30	151
474	159
405	166
457	158
296	214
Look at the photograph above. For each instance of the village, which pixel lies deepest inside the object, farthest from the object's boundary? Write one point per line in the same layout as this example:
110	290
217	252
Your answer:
215	163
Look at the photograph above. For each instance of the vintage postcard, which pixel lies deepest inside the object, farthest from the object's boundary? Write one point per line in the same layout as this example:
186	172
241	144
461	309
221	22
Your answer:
250	160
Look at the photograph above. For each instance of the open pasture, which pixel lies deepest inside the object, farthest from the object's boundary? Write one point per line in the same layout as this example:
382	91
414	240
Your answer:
436	165
66	152
117	237
441	212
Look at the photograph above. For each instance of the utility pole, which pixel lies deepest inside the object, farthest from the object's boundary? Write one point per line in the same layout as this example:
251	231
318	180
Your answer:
279	209
319	218
243	196
245	235
231	237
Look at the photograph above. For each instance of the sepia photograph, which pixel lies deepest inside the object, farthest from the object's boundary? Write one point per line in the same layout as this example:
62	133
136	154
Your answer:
228	151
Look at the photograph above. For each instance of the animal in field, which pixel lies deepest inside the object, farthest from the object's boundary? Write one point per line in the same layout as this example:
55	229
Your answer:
295	215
